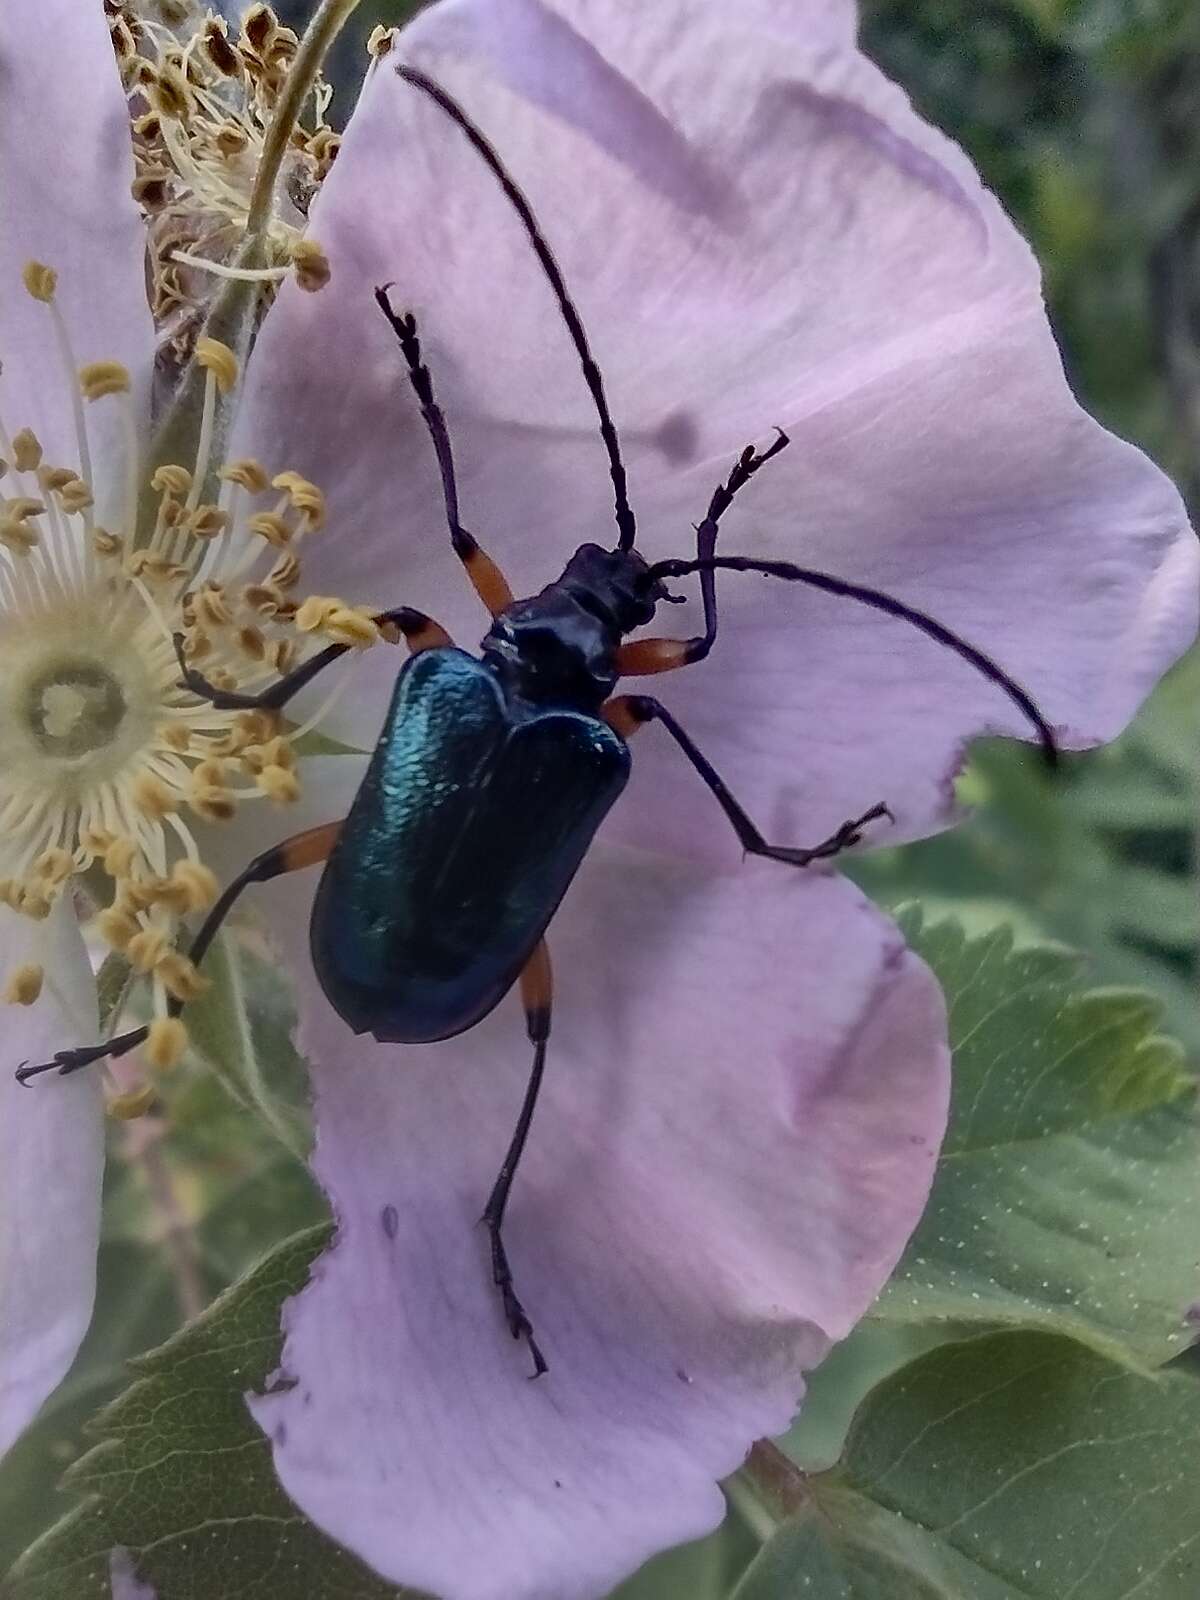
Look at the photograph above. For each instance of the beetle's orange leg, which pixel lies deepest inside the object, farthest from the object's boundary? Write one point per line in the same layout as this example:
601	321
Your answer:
486	578
626	713
536	996
293	855
664	655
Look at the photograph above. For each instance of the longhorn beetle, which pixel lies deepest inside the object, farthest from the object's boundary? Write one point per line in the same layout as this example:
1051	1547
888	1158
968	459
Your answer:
434	902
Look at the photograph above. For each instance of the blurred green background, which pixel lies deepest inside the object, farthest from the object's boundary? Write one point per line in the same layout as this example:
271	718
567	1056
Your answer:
1084	116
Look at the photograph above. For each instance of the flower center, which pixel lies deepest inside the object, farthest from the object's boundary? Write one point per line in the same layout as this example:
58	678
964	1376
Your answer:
74	707
109	767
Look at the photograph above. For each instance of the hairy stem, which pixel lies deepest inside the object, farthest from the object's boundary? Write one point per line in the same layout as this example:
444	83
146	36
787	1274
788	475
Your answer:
328	21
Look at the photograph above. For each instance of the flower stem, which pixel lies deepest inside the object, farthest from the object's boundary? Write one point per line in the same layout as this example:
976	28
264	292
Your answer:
328	21
178	1239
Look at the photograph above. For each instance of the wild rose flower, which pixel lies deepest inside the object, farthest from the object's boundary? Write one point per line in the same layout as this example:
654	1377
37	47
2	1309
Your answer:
747	1080
113	780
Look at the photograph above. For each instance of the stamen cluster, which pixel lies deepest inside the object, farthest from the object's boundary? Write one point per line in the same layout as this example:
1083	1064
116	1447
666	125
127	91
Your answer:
108	763
201	103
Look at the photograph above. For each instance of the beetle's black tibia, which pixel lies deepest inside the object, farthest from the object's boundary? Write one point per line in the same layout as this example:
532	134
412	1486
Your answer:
628	712
536	996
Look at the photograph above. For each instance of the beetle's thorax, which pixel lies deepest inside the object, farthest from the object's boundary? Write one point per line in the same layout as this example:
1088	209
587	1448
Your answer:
560	645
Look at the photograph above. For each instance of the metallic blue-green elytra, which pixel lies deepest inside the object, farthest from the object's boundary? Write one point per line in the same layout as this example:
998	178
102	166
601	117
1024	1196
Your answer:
474	814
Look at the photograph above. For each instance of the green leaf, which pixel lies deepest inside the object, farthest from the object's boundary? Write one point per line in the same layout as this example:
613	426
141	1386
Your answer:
135	1307
182	1478
1067	1195
1016	1466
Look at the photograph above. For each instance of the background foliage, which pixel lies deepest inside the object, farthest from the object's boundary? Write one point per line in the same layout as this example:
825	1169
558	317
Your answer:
1019	1415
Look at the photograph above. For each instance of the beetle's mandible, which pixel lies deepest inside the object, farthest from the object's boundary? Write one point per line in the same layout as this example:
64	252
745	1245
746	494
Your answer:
436	895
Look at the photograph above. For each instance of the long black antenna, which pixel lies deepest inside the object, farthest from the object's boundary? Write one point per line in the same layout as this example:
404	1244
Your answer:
626	526
880	602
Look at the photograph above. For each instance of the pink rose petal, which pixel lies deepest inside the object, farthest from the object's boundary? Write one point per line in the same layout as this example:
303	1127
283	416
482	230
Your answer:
51	1163
746	1090
785	243
66	166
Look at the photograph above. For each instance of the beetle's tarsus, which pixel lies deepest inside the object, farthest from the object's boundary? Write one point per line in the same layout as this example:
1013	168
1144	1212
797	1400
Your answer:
67	1061
848	835
515	1315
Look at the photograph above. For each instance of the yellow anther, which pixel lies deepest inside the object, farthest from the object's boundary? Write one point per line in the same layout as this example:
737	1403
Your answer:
379	41
120	856
54	867
116	927
30	902
132	1104
279	752
55	479
230	140
27	451
212	607
75	496
261	597
316	611
166	1043
278	784
19	537
39	280
147	948
171	95
351	627
139	74
21	507
139	894
122	38
323	148
249	474
95	840
281	655
176	736
218	359
151	188
99	378
152	796
270	527
311	264
212	803
148	127
219	50
206	522
286	571
259	27
171	478
197	645
256	727
304	496
24	985
196	883
105	543
179	977
251	643
155	569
